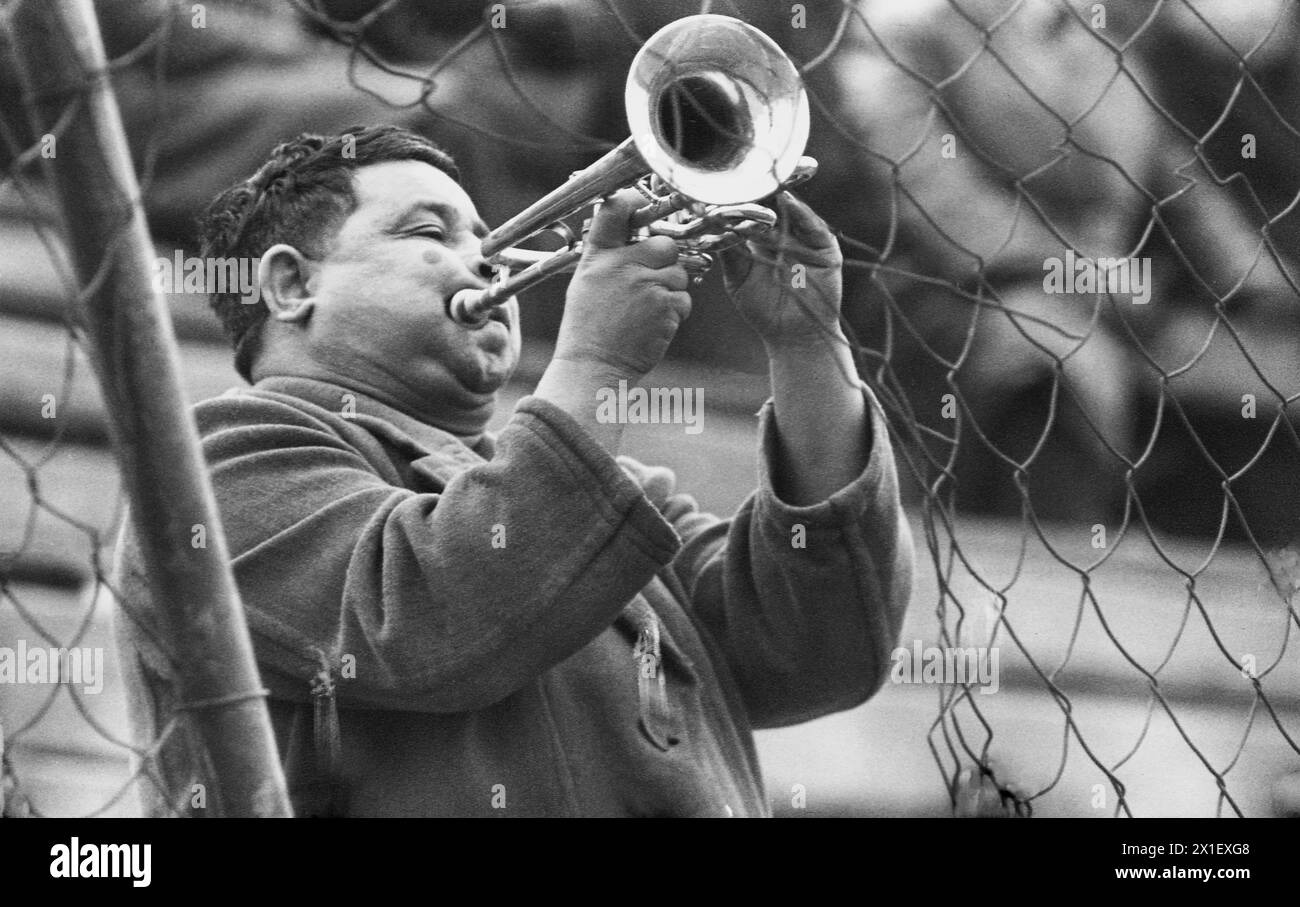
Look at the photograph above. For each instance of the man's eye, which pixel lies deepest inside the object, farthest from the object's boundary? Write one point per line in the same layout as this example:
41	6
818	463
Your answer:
432	233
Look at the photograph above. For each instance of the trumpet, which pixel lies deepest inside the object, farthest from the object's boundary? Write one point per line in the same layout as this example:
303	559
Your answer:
718	118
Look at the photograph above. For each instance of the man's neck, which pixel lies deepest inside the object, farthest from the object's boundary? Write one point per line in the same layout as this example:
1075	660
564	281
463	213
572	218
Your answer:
449	407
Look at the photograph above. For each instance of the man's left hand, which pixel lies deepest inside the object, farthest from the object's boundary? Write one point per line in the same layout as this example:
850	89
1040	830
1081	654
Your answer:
787	282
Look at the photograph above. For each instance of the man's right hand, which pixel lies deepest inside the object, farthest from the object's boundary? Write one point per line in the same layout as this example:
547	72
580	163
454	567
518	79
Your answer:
624	305
626	300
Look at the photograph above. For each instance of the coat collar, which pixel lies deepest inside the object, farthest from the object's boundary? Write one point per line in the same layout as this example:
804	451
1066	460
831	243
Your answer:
433	450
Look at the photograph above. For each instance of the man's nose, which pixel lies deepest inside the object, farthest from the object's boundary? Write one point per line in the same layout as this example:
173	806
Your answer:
479	266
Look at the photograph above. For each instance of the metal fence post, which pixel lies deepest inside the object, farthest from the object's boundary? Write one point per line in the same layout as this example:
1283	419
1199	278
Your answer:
130	342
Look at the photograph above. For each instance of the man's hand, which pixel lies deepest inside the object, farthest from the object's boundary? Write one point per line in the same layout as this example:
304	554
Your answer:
787	285
787	282
624	306
625	301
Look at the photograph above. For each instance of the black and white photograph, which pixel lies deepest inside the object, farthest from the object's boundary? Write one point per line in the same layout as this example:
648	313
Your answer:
869	409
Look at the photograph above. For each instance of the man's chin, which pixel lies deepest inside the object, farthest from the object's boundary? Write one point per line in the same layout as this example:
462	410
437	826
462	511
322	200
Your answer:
488	378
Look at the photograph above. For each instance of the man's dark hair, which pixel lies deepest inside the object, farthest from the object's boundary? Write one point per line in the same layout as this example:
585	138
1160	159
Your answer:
301	196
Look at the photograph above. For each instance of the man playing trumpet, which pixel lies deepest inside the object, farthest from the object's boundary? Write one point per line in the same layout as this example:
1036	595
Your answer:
452	622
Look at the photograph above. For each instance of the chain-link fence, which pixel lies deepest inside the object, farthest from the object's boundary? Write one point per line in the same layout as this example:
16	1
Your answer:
1070	241
113	313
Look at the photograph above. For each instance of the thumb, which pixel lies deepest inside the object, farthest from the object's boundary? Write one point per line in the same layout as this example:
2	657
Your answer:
798	222
609	225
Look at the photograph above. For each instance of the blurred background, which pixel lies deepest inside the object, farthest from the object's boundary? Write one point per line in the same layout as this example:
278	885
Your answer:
963	145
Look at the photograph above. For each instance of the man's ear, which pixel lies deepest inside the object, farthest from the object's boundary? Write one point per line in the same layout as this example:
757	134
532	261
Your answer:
284	275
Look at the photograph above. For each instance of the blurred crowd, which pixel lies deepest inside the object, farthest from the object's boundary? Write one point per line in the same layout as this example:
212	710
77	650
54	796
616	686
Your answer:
963	144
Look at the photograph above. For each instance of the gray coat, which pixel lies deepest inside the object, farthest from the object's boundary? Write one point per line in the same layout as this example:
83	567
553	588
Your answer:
524	628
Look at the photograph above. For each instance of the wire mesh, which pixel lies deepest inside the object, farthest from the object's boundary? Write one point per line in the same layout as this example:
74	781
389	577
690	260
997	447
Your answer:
1069	240
102	263
55	543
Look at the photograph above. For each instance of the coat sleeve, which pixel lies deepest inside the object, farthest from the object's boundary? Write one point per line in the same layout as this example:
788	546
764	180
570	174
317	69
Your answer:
805	602
436	602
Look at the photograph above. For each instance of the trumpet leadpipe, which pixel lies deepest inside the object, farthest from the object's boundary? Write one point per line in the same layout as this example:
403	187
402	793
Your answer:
475	306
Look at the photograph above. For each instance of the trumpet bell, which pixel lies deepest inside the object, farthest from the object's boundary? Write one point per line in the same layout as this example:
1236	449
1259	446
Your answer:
717	110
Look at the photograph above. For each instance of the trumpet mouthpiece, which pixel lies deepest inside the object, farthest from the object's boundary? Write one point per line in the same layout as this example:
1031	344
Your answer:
469	307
